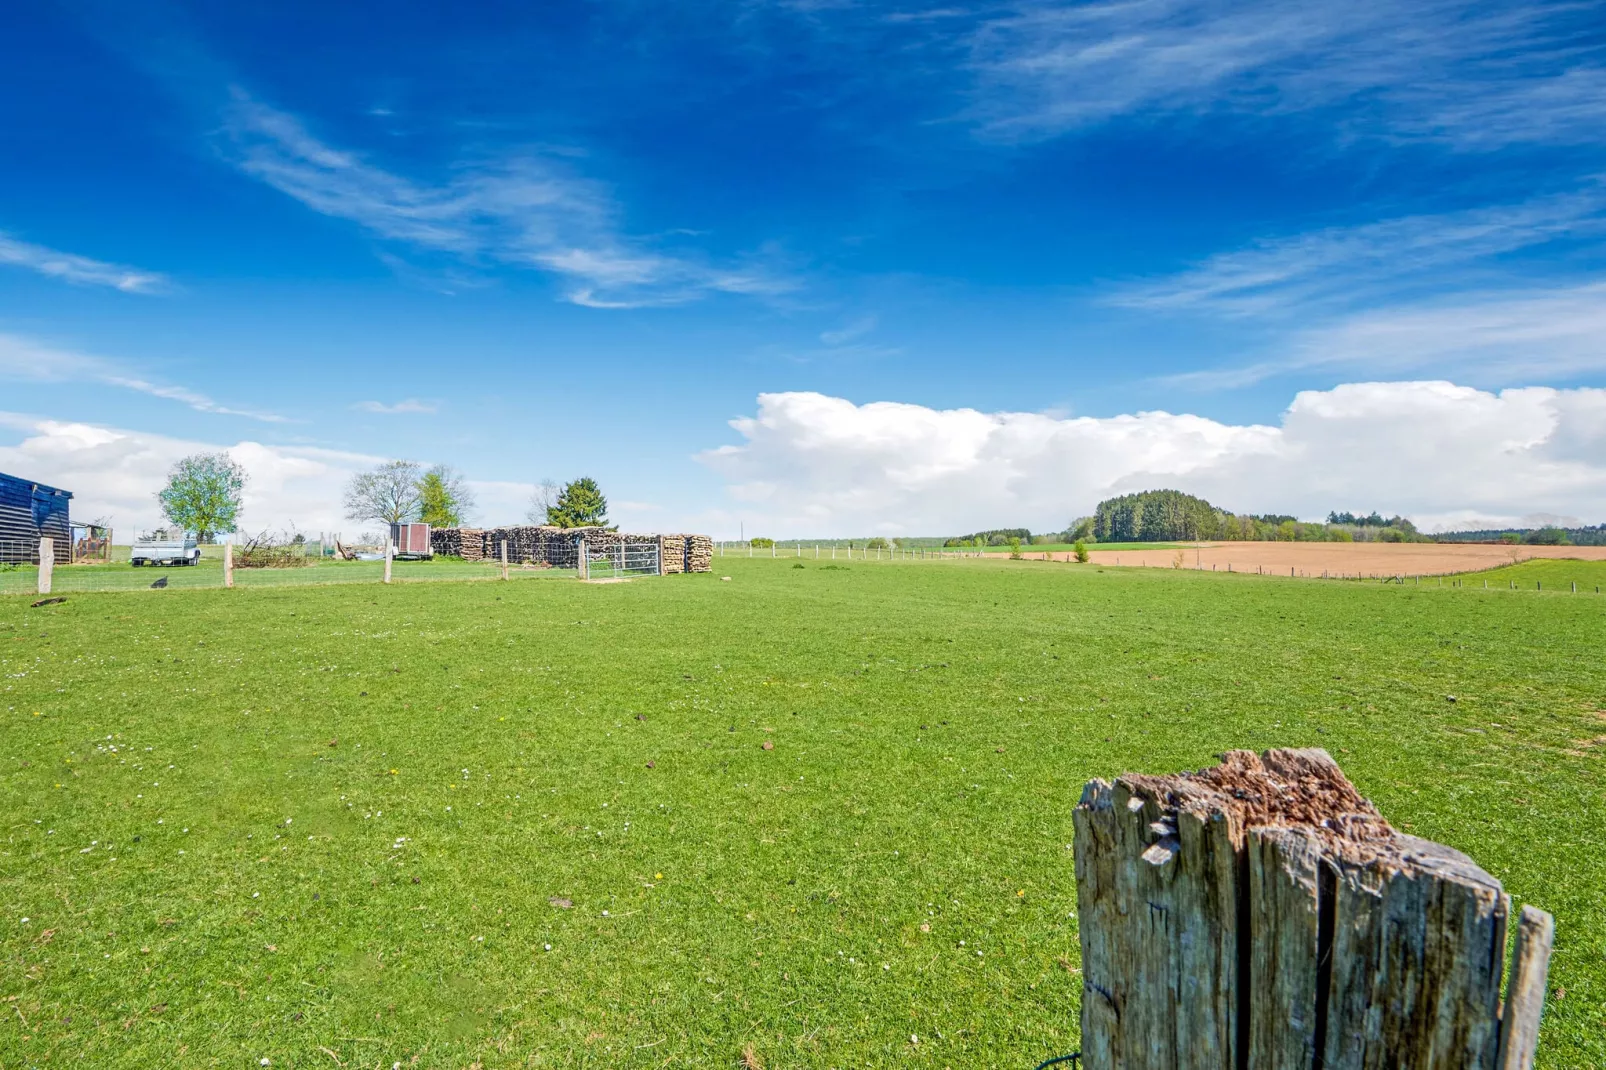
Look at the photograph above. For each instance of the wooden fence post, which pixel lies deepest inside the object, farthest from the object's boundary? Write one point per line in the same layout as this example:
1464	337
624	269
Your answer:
1525	994
504	559
390	552
582	561
228	564
47	563
663	566
1262	913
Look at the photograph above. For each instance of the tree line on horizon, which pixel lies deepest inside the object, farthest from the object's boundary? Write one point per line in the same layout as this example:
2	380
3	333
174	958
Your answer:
204	495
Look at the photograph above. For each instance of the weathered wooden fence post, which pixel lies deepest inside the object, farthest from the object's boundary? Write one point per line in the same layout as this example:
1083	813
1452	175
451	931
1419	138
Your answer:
390	552
663	566
47	563
582	562
504	559
228	564
1262	915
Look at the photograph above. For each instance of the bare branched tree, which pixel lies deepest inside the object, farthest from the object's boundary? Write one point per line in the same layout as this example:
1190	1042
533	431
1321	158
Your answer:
388	493
543	501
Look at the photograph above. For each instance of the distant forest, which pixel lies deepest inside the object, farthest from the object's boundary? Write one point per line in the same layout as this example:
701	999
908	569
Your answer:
1172	516
1547	536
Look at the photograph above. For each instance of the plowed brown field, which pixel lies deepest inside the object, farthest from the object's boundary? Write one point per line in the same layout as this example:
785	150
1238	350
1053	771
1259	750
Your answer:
1337	558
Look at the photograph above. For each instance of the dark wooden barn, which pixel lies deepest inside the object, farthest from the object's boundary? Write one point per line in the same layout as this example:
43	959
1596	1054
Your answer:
28	512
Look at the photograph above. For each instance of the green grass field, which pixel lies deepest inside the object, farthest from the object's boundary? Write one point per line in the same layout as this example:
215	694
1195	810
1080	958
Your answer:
1551	574
336	825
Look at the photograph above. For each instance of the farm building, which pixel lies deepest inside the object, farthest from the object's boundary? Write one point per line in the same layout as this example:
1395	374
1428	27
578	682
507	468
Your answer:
28	512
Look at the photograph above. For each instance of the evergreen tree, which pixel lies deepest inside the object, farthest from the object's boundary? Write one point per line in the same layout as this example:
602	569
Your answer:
580	505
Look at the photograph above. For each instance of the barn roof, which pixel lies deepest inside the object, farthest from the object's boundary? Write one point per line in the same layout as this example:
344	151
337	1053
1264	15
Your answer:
34	484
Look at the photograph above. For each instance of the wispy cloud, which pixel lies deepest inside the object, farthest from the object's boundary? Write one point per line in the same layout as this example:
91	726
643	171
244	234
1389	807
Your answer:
847	333
1494	292
1340	267
528	211
82	270
27	360
1499	336
407	405
1508	334
1471	74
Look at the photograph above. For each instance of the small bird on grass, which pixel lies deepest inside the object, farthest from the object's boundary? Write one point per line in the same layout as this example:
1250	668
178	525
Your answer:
160	583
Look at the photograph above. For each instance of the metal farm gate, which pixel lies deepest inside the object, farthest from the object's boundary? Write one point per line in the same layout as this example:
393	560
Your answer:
617	559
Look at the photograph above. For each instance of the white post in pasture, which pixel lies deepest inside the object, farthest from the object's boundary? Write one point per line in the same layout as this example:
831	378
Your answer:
228	564
504	559
47	563
390	552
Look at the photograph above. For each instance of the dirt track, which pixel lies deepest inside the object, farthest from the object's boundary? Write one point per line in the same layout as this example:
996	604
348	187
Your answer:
1337	558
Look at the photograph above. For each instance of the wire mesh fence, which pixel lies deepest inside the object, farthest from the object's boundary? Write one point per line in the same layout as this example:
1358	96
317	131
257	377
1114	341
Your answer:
846	551
22	578
19	552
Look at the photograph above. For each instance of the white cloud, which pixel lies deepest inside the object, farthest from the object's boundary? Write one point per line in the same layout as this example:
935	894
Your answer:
69	267
1435	451
116	473
406	405
1475	76
24	359
530	212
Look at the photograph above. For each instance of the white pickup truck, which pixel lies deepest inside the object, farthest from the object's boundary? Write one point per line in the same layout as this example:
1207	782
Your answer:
164	552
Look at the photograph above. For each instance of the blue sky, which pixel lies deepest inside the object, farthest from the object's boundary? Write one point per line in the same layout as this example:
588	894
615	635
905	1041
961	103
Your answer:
939	263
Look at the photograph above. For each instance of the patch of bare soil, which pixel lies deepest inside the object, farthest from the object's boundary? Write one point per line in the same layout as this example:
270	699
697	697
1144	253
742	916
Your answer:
1341	560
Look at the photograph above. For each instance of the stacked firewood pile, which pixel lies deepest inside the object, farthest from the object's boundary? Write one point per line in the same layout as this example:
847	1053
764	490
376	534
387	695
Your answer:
558	547
467	543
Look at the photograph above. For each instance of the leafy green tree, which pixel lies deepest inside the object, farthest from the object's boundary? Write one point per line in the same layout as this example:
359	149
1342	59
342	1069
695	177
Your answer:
443	497
1014	547
203	494
758	542
877	543
580	504
1081	551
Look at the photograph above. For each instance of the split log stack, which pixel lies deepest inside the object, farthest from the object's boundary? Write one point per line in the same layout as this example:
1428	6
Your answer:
557	547
688	553
467	543
1263	915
